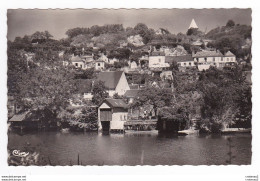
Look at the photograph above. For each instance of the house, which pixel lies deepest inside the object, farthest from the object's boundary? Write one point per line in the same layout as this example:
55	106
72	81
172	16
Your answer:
132	94
133	65
157	60
166	75
182	61
112	60
115	82
104	58
87	58
84	88
77	62
229	59
205	59
112	114
99	65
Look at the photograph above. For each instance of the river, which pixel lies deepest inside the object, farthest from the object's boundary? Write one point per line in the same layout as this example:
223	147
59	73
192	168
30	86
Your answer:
129	149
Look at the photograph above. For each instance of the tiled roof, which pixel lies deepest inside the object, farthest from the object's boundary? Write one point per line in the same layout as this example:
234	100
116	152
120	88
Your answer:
229	53
132	93
19	117
208	54
110	79
158	54
184	58
134	86
116	103
76	59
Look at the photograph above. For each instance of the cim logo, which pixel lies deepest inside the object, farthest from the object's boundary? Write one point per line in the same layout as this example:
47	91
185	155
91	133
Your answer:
18	153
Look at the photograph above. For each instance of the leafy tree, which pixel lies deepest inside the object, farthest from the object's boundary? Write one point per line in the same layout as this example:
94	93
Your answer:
99	92
46	88
156	97
230	23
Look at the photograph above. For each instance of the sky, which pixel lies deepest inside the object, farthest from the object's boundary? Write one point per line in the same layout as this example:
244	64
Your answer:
57	21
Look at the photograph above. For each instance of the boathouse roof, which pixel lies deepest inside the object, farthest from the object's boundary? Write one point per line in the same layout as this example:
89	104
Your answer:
116	103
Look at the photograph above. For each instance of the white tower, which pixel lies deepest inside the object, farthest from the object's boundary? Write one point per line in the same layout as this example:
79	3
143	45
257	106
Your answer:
193	24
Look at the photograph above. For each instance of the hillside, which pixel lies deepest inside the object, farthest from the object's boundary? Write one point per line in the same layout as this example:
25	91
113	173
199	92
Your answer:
242	31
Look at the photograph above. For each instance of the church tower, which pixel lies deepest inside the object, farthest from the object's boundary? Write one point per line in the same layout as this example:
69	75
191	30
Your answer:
193	24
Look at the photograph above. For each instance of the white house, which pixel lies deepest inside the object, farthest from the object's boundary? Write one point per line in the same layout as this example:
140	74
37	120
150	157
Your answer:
133	65
78	62
112	60
115	82
112	114
99	65
157	60
104	58
205	59
182	61
229	58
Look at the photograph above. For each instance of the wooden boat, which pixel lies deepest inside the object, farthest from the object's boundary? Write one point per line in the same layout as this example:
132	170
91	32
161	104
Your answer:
236	130
188	132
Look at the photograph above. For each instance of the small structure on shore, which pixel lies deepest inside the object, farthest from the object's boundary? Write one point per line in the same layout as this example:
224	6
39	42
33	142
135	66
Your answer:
112	114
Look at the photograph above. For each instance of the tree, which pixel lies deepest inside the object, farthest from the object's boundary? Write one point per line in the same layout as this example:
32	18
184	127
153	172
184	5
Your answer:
156	97
49	88
99	92
230	23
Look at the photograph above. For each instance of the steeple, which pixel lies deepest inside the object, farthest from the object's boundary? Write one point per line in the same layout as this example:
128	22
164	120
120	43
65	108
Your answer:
193	24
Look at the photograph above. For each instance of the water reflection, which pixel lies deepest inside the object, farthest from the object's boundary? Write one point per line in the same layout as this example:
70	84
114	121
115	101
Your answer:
134	149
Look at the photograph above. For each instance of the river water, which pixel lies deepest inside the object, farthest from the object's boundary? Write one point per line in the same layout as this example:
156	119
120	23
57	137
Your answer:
132	149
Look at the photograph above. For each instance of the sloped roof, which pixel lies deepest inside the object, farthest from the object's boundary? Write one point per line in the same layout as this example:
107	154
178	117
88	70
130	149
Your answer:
208	54
158	54
134	86
19	117
116	103
193	24
184	58
132	93
110	79
76	59
229	53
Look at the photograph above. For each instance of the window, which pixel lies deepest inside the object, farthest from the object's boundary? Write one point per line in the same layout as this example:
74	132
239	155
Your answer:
98	64
80	66
159	60
221	58
185	64
190	63
214	59
76	64
205	59
197	59
231	59
227	59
